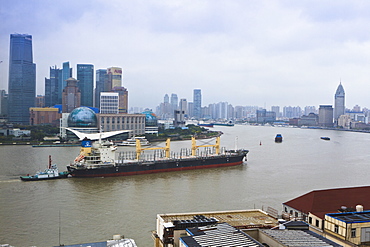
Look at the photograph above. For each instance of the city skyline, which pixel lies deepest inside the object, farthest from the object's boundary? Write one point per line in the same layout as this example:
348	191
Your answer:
248	53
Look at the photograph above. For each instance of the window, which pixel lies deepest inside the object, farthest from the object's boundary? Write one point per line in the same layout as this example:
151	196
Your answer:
336	228
317	223
353	232
296	214
310	220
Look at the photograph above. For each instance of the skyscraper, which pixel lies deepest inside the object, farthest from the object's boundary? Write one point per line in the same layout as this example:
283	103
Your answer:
326	116
85	77
197	101
101	78
114	78
174	102
71	96
52	87
339	107
22	78
62	81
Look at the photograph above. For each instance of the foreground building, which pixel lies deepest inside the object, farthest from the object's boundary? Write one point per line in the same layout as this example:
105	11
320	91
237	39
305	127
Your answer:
22	79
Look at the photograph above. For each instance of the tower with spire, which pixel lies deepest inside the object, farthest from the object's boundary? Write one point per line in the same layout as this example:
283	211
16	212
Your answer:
339	107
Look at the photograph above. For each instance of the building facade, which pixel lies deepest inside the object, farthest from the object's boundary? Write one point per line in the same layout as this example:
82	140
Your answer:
71	96
22	78
123	99
85	77
44	116
109	103
52	87
339	101
114	78
113	122
66	74
326	116
197	103
101	78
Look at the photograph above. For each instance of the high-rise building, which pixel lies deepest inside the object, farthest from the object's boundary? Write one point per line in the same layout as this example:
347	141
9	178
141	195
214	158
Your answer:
85	77
114	78
123	99
339	107
71	96
3	103
197	103
22	79
174	102
183	106
276	109
326	115
101	78
52	87
109	103
66	74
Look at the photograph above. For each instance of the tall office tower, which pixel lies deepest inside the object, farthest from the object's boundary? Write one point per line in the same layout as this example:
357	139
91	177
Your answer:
183	106
123	99
339	103
71	96
114	78
190	109
52	87
166	99
22	79
101	78
63	77
174	102
109	103
85	77
276	109
197	101
326	116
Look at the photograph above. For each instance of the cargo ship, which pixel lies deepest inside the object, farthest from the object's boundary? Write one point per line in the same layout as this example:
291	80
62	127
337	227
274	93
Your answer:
101	159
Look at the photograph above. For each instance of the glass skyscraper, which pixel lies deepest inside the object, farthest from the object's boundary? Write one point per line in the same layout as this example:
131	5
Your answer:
62	83
101	78
197	103
85	77
22	79
52	96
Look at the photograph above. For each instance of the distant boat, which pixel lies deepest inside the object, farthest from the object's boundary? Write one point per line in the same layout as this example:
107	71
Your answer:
230	123
325	138
205	124
132	141
278	138
51	172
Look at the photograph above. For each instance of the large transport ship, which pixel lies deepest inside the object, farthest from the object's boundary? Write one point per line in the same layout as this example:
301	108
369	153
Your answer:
100	159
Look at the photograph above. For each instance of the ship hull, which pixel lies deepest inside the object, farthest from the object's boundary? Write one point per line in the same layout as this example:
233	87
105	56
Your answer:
137	168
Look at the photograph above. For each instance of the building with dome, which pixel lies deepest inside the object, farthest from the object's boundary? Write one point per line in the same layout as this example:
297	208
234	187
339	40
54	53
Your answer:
84	122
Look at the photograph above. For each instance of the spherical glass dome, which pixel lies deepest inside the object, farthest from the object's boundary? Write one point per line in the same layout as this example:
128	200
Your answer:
82	117
150	118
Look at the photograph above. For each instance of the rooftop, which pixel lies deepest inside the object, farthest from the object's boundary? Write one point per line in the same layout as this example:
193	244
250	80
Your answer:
352	217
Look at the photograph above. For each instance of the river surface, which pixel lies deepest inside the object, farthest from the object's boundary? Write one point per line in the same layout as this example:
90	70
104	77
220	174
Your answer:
82	210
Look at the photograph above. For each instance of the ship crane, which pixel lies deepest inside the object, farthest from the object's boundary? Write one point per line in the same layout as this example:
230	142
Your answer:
194	146
139	150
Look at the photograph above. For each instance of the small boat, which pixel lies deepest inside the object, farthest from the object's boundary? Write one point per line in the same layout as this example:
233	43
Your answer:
229	123
51	172
205	124
278	138
132	141
325	138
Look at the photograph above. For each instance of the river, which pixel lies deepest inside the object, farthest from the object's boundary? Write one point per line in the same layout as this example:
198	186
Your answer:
81	210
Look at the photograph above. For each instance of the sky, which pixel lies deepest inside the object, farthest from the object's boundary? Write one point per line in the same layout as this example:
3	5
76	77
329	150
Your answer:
244	52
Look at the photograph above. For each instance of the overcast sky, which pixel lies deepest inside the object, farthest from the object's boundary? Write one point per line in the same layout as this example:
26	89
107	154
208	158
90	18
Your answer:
244	52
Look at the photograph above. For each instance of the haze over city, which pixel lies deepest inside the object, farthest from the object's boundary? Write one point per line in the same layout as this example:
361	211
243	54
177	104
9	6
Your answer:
244	52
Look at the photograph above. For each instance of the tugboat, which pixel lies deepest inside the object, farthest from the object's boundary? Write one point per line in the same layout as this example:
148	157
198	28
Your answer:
51	172
278	138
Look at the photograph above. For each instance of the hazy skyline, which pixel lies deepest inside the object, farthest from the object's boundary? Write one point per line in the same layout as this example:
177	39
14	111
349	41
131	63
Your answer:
260	53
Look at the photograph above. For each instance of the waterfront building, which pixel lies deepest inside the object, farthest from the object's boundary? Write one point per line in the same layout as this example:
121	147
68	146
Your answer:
179	119
52	87
85	77
44	116
339	101
326	116
319	207
264	116
151	122
311	119
292	111
114	78
22	79
172	227
101	79
71	96
109	103
197	103
3	103
123	99
62	82
344	121
114	122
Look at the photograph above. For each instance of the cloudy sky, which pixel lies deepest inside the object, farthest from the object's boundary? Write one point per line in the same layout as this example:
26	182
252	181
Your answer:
245	52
